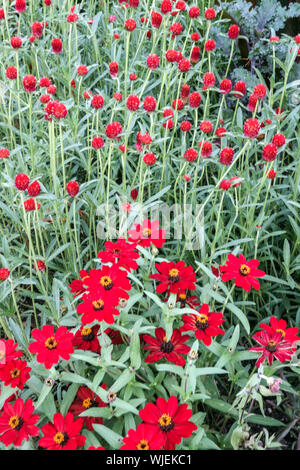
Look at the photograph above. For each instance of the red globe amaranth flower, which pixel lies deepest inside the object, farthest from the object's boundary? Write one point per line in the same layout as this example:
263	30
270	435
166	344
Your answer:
144	438
205	148
171	55
113	130
237	179
85	399
206	127
226	155
121	252
173	277
63	433
251	128
2	14
113	68
152	61
166	6
260	91
185	90
21	181
11	72
171	350
133	102
252	104
149	159
195	99
37	29
20	6
209	79
244	273
195	55
4	153
225	184
170	420
274	39
52	90
195	37
185	126
176	29
31	205
205	324
56	45
72	188
40	265
86	338
29	83
16	42
184	65
45	82
15	373
82	70
130	24
4	274
50	346
118	96
225	86
146	233
272	345
34	189
210	14
210	45
97	143
177	104
156	19
269	152
194	12
72	17
240	89
190	155
221	132
233	31
97	102
17	422
271	174
278	140
45	99
149	104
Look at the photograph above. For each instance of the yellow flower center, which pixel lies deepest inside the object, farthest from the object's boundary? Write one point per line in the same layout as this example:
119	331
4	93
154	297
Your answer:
106	282
182	296
146	232
87	403
143	445
165	422
86	331
244	270
59	438
271	346
281	331
15	373
51	343
98	304
15	422
173	272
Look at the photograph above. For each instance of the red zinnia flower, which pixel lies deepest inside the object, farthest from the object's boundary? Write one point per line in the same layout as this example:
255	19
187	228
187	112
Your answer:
244	273
121	252
98	306
50	346
144	438
169	420
280	326
15	373
171	350
174	277
85	399
87	339
17	422
63	434
272	345
205	324
147	233
110	280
